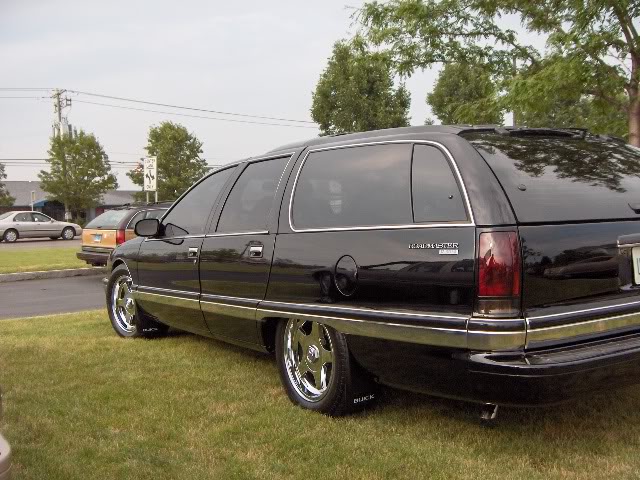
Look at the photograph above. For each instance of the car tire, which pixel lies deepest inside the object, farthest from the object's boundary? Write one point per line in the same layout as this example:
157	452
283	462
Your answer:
68	233
127	319
10	236
305	349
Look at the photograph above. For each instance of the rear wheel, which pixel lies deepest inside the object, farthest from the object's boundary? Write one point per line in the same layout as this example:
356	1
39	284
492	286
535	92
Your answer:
10	235
68	233
317	370
126	318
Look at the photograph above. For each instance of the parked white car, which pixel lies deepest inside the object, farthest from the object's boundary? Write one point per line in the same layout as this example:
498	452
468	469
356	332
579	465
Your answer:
14	225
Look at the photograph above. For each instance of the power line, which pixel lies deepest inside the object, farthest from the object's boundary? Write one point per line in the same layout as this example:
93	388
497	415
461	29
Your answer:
24	97
194	116
190	108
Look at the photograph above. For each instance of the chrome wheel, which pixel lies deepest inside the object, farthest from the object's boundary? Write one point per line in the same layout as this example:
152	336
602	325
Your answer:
68	234
123	306
11	236
308	356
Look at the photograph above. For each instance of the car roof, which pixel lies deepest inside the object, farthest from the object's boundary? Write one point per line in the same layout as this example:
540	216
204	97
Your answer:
387	132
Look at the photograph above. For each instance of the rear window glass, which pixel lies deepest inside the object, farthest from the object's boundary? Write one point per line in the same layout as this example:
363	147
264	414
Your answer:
555	179
5	215
109	219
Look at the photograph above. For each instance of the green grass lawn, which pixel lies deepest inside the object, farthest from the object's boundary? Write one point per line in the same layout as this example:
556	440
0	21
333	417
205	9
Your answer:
82	403
36	259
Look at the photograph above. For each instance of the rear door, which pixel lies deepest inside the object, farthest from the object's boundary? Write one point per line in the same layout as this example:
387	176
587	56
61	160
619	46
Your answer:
379	233
24	224
45	226
236	254
169	282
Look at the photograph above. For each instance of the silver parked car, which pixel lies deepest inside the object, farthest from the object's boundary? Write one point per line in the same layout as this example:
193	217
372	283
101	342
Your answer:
14	225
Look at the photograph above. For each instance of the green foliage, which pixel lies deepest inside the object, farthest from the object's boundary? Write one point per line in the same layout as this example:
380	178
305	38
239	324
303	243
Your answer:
592	46
179	163
85	178
465	93
6	200
356	92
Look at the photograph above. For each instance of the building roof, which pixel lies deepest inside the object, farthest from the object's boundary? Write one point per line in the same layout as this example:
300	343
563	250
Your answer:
21	190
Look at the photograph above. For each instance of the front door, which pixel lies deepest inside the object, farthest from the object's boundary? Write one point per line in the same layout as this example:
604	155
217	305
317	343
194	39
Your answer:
45	226
236	256
169	282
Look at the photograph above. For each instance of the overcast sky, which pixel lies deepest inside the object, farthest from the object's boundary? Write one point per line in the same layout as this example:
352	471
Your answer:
250	57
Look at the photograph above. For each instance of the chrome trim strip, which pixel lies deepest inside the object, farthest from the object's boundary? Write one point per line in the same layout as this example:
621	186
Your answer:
235	234
494	341
388	331
568	332
182	237
385	227
366	310
168	290
193	303
595	309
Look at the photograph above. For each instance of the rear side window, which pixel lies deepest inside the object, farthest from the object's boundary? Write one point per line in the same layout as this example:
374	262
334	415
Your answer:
251	198
436	194
189	216
108	220
556	179
353	187
23	217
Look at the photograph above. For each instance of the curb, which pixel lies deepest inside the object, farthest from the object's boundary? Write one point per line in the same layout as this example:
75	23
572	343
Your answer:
70	272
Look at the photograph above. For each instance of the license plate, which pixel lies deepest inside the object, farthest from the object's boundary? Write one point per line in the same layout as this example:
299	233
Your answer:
97	238
635	255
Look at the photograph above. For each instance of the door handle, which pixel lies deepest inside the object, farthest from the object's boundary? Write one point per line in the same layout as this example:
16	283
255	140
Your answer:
193	254
255	251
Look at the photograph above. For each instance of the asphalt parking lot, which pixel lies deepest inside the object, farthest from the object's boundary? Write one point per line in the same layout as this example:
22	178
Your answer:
27	243
56	295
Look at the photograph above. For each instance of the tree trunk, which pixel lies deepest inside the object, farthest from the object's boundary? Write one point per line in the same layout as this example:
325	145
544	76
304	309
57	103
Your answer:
634	117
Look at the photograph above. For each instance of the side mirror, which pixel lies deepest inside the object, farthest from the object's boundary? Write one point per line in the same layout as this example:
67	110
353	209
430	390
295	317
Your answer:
149	227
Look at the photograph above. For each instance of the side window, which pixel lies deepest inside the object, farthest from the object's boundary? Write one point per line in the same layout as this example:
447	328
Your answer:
155	213
436	194
39	218
22	217
189	216
355	186
251	198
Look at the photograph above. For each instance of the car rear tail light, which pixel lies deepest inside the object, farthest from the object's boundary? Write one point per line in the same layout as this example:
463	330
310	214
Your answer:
499	274
120	237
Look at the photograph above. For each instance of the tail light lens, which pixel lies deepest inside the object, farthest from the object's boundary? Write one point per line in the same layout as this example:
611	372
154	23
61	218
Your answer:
499	274
120	237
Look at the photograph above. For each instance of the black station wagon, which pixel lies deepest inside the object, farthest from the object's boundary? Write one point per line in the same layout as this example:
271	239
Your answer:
490	264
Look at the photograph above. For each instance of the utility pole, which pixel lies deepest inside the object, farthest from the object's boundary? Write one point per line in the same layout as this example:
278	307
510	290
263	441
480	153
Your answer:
61	128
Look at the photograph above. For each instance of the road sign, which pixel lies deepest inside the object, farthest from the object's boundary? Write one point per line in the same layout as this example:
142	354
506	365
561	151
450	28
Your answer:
150	174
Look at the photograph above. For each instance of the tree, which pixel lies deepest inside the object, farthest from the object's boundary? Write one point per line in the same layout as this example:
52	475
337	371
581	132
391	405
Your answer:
79	172
597	40
179	163
356	92
6	200
465	93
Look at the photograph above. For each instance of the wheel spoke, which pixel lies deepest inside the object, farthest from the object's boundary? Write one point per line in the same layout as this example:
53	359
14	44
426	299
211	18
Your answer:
302	367
326	356
320	380
317	332
120	302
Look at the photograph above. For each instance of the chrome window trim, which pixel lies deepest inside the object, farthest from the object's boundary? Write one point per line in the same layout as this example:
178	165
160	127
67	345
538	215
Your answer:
235	234
573	312
182	237
438	145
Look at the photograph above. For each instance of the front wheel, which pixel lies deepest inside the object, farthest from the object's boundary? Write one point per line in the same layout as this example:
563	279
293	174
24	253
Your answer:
68	233
126	319
317	370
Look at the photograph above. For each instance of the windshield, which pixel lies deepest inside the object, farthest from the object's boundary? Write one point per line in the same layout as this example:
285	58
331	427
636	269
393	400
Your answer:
6	215
555	179
110	219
